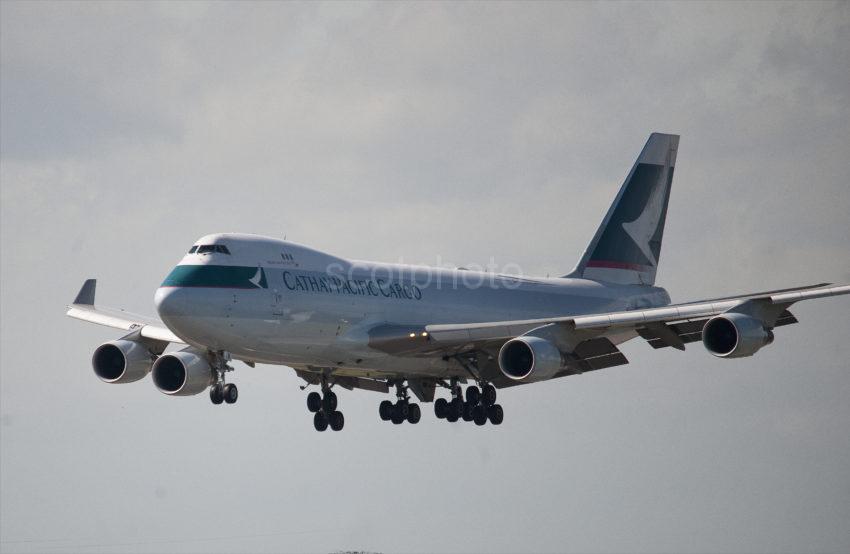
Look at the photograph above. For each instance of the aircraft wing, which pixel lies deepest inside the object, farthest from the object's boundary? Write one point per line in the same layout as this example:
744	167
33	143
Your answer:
83	308
671	325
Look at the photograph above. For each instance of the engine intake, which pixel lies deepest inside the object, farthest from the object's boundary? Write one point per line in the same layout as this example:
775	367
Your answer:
529	358
182	373
734	335
121	361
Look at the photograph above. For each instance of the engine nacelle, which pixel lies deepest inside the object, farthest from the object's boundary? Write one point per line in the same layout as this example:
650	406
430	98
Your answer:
529	358
182	373
734	335
121	361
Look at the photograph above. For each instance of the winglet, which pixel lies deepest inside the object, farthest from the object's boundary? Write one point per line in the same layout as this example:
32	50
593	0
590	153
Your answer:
86	294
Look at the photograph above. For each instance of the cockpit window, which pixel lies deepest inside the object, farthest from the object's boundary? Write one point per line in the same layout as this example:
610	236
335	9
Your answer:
208	248
192	250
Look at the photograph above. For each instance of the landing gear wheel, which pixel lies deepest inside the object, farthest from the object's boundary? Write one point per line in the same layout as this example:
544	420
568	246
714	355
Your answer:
397	418
216	394
414	414
231	393
337	421
314	402
479	415
495	414
441	408
467	411
455	410
385	410
320	422
472	395
402	409
489	395
329	402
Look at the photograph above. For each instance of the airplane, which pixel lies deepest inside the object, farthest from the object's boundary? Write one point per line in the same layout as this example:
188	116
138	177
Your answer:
414	329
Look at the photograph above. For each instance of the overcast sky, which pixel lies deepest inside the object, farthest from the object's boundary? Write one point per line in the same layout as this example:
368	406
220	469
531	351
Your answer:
434	133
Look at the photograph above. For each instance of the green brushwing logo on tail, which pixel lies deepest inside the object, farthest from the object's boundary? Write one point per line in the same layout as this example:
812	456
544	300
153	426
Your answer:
632	238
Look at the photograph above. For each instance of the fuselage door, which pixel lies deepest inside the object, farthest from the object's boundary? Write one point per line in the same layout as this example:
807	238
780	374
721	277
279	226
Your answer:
276	302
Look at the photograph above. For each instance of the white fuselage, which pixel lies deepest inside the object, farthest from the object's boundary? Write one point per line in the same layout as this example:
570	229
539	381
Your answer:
272	301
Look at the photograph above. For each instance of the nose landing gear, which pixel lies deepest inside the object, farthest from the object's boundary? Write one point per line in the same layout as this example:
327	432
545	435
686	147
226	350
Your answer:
221	391
224	393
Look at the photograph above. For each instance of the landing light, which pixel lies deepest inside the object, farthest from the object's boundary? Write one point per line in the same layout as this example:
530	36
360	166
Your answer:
412	335
424	333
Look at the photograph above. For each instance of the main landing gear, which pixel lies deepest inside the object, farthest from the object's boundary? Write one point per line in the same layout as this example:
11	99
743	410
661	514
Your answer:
324	407
403	410
480	405
221	391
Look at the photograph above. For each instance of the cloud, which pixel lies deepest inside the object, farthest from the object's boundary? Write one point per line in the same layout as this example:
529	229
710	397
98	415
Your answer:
426	131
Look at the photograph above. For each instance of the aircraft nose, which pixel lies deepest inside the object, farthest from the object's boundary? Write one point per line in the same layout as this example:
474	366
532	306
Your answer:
170	302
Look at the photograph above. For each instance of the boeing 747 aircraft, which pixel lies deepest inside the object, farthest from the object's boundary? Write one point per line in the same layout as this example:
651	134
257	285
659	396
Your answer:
414	330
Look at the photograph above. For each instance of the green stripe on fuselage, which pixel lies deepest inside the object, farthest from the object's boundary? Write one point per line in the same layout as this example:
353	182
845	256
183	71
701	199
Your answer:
217	276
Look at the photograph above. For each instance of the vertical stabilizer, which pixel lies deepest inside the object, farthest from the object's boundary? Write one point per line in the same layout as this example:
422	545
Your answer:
627	246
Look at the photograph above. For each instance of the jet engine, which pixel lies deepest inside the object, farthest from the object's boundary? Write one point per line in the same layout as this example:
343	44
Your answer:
734	335
529	359
121	361
182	373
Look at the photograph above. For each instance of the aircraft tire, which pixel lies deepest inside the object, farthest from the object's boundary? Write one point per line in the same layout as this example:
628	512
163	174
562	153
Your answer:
495	414
467	411
403	409
337	421
231	393
489	395
455	410
479	415
329	402
473	395
320	422
385	410
414	414
216	394
314	402
441	408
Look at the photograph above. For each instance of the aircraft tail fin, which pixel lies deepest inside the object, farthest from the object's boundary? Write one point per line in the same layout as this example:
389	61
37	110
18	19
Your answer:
627	245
